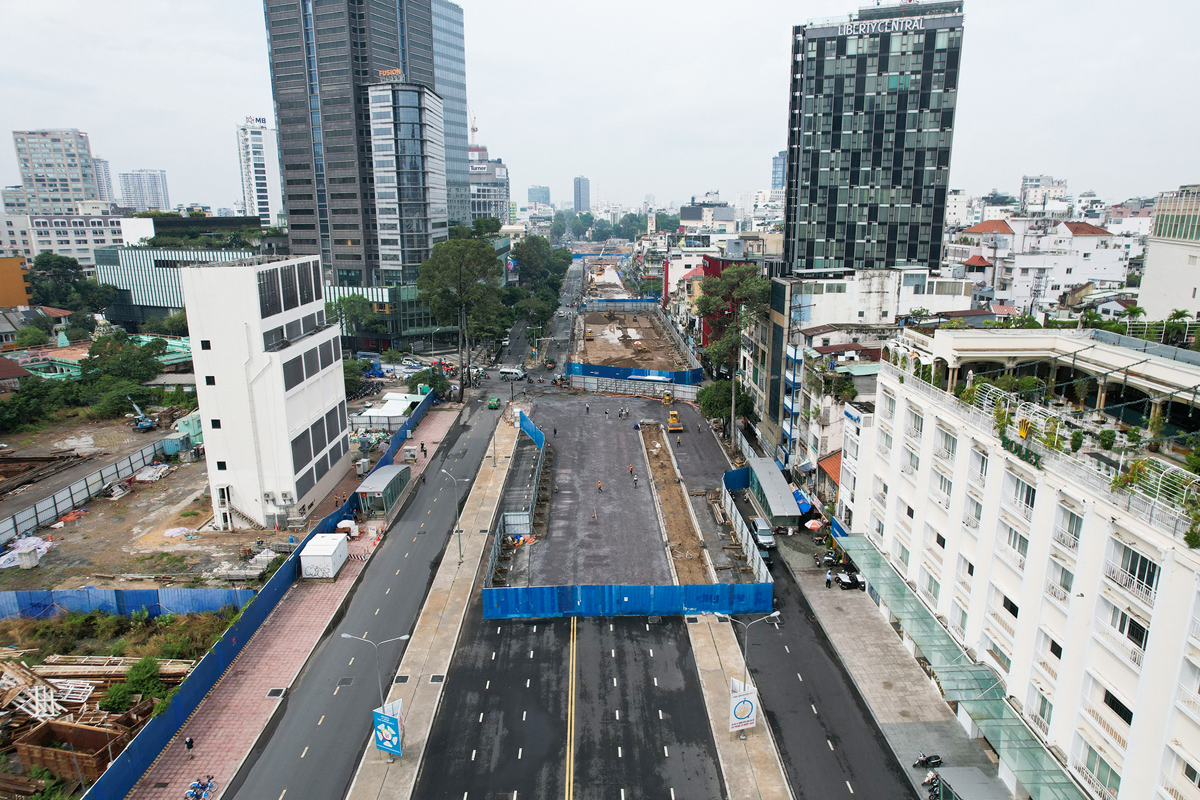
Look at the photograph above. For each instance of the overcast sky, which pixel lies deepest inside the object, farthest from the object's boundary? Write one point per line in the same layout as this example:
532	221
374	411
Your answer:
668	97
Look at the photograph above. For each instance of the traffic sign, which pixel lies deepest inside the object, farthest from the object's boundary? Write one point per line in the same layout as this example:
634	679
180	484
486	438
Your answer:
389	727
743	706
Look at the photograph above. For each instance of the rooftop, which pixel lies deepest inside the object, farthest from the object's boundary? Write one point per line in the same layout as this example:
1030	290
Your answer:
1086	229
991	226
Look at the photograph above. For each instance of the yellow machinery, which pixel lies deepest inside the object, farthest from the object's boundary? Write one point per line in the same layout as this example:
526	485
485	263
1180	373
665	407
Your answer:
587	335
668	398
673	423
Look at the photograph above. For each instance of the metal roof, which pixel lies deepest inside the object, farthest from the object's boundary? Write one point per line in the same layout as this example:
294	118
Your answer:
378	480
778	495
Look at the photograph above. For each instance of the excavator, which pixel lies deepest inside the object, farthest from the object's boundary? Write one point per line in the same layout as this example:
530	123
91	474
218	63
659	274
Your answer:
141	422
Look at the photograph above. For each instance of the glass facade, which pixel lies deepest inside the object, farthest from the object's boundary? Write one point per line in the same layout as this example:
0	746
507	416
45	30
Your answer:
409	170
1177	215
450	81
871	124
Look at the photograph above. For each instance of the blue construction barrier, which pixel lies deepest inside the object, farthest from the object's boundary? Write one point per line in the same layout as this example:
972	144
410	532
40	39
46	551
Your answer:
533	431
127	768
525	602
687	377
737	479
122	602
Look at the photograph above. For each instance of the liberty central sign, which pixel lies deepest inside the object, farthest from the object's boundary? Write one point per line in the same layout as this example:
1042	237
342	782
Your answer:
882	26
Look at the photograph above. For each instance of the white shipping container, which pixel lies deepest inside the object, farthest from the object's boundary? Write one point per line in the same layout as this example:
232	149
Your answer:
324	556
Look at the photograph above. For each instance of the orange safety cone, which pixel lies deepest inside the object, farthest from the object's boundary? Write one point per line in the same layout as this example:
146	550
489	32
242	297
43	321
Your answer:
51	537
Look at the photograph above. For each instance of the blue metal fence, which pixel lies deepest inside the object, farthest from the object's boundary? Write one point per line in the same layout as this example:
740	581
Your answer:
737	479
687	377
127	768
525	602
533	431
120	601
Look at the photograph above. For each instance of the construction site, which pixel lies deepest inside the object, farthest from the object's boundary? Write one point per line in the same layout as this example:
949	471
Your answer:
628	339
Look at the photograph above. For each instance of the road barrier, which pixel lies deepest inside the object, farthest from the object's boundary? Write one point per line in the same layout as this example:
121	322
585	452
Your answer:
528	602
123	602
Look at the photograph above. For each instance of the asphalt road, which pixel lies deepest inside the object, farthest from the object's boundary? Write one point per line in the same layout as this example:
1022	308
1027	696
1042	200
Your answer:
314	747
827	738
627	688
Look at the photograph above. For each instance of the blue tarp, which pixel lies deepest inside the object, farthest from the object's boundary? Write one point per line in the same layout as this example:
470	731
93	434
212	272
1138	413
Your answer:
533	431
689	377
526	602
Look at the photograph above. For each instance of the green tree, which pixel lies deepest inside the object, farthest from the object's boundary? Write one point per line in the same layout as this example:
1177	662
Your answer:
486	227
587	219
118	356
919	315
714	401
489	318
729	303
352	374
392	356
458	274
435	380
174	325
601	230
578	229
1133	313
557	229
666	222
461	232
353	313
31	336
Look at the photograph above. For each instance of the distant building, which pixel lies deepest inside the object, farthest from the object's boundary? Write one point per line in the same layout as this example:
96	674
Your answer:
450	82
104	184
146	190
14	282
539	194
1172	276
957	209
77	236
258	160
272	396
779	171
57	172
1038	191
489	186
583	195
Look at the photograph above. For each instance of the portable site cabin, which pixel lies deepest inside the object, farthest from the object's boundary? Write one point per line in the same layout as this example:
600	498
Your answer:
379	493
324	555
771	490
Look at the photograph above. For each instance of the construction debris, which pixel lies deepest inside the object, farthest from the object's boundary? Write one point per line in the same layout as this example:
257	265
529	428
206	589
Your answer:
11	558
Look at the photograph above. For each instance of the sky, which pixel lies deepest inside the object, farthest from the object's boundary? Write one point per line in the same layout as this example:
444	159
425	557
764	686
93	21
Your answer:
670	98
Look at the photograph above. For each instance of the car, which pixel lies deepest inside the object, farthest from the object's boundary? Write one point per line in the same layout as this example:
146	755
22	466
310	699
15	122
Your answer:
766	557
850	580
494	402
504	343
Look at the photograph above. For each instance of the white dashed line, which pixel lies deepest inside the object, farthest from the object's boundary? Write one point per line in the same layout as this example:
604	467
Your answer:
787	650
829	743
351	664
614	681
527	683
848	786
493	655
523	713
281	794
660	713
656	681
618	713
666	752
481	717
614	653
619	752
652	652
519	751
531	654
377	612
672	794
535	628
798	676
302	755
814	708
472	755
487	686
322	719
389	590
497	629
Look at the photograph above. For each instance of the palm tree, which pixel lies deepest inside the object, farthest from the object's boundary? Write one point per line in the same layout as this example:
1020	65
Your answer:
1090	319
1177	315
1133	313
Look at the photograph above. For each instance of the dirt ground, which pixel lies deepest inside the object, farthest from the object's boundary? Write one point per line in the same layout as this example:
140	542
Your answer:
614	344
686	547
117	539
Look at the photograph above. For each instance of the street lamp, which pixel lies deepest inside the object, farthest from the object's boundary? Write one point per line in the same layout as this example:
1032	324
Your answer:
378	679
746	625
457	514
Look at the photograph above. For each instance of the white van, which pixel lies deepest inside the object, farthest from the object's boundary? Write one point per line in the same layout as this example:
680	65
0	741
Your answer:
512	374
764	535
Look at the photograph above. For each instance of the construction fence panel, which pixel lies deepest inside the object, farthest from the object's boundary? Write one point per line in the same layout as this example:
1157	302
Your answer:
592	383
614	600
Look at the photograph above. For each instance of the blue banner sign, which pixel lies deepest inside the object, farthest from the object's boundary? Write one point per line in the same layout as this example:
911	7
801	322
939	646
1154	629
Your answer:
389	727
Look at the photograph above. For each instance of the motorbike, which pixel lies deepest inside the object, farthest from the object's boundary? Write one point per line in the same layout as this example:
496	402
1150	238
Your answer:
541	380
931	778
932	760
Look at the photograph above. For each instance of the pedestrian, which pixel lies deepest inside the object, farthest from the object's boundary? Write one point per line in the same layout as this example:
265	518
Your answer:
635	481
600	487
587	408
422	477
631	469
697	427
189	744
828	578
556	433
606	413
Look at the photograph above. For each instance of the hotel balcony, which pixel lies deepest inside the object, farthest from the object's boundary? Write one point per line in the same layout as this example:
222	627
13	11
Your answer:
1127	649
1130	583
1115	728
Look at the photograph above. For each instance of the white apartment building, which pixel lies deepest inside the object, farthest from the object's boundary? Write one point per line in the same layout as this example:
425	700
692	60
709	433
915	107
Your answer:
1172	276
269	380
56	172
104	184
957	209
1073	595
146	190
73	235
258	160
1038	190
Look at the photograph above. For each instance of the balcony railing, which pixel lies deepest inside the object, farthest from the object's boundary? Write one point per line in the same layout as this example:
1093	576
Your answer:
887	413
1194	629
1189	700
1079	767
1010	555
1115	729
976	477
908	469
943	454
1177	791
1130	583
1066	538
971	522
1114	639
963	580
912	432
1040	725
885	451
880	498
1018	507
940	497
1047	666
935	553
1056	592
1004	620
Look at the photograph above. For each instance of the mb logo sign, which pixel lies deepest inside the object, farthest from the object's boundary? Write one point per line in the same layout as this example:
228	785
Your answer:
743	706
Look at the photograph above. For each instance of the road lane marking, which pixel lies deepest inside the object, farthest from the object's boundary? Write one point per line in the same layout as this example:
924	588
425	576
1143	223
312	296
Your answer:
652	652
619	752
786	650
814	708
487	686
672	794
666	752
365	634
614	681
430	511
614	653
406	555
569	792
281	794
798	676
389	589
351	664
481	716
493	655
377	612
527	683
656	681
535	628
660	713
322	719
523	713
519	751
829	743
618	713
302	755
610	626
397	572
335	689
472	755
848	786
531	654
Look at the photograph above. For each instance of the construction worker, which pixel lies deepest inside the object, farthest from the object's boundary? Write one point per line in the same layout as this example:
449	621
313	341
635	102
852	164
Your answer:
631	469
599	486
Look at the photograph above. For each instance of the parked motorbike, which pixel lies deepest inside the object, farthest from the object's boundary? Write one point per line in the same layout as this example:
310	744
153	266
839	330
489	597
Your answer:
931	777
932	760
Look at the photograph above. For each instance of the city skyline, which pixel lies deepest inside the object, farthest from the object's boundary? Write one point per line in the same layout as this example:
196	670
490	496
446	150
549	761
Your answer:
1059	132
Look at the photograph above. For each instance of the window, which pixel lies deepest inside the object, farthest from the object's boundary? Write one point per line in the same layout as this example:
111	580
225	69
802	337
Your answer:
215	424
210	380
911	462
947	443
1023	494
1140	567
940	540
1120	709
1056	649
221	465
1010	606
945	486
1129	627
930	584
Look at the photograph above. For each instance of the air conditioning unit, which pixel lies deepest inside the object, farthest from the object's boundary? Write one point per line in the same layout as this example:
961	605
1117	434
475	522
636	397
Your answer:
269	498
286	498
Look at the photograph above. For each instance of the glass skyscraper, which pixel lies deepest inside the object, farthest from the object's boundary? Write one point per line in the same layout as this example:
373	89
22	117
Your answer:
870	127
450	81
323	55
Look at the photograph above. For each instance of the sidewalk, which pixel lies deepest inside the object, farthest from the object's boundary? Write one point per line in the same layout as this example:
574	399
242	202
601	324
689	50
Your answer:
907	706
435	635
230	719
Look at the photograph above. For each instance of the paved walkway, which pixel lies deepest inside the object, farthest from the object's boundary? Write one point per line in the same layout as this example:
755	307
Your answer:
751	767
230	719
435	635
908	707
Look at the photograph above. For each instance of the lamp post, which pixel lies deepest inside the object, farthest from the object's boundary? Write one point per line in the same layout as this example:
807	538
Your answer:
746	625
458	512
378	679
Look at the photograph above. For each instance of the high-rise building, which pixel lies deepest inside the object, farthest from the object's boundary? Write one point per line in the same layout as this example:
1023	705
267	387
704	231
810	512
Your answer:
450	81
778	170
56	172
272	399
583	191
539	194
258	159
321	64
104	184
146	190
410	186
489	186
871	122
1172	278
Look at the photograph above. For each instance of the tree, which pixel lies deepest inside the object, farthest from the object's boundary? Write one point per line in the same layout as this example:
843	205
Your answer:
117	356
353	312
918	315
486	227
59	281
173	325
434	379
666	222
601	230
31	336
461	232
557	229
392	356
458	274
587	219
352	374
714	401
729	304
1133	313
577	227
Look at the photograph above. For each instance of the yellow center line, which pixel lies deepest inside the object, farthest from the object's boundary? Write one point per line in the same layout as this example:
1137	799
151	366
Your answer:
570	787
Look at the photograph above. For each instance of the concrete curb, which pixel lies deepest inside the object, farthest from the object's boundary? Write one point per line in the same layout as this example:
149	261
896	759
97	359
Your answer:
917	787
662	523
